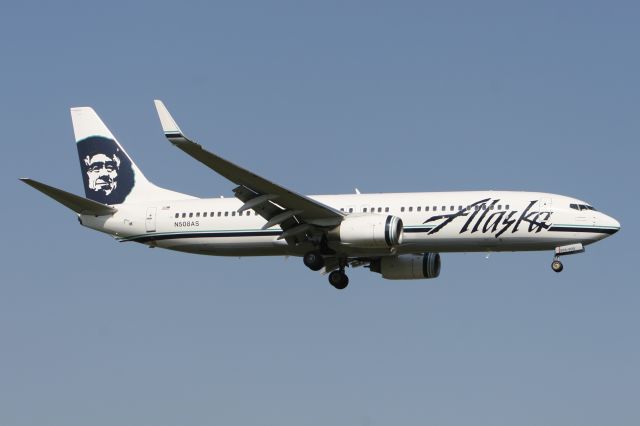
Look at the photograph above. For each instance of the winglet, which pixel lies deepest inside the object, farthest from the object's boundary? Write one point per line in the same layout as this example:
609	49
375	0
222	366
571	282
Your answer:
169	126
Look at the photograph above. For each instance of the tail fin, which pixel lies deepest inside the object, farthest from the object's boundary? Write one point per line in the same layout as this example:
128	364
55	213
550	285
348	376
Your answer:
108	173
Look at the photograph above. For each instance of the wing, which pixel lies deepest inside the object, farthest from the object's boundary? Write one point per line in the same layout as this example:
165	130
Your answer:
296	214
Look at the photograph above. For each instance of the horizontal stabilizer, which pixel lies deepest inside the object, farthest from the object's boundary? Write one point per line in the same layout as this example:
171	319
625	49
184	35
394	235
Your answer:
76	203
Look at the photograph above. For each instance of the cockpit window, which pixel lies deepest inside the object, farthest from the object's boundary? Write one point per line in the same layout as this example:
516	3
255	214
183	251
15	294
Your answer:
581	207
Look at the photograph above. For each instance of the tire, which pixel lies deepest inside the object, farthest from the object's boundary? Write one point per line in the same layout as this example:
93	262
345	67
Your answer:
339	280
557	266
313	260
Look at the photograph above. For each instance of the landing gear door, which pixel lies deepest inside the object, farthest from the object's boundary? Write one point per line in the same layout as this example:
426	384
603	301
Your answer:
150	221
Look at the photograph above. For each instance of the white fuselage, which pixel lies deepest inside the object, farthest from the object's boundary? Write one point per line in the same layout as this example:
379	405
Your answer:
433	222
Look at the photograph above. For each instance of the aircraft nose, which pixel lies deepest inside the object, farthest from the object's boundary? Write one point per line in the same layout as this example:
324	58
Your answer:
613	224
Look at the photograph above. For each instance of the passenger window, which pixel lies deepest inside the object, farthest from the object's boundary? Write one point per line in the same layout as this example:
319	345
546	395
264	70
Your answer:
341	209
204	214
401	209
386	209
233	213
499	206
459	208
444	208
177	215
184	215
506	207
198	214
219	214
190	214
211	214
451	208
350	209
418	208
364	209
426	209
410	209
379	209
226	213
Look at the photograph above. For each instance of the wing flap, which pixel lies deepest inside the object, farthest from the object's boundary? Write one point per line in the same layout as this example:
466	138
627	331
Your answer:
74	202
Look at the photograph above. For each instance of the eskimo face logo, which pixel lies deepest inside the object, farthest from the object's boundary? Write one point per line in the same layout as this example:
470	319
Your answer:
102	172
106	170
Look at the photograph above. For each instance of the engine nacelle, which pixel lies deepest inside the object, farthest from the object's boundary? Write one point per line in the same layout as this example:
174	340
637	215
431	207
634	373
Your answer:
408	266
369	231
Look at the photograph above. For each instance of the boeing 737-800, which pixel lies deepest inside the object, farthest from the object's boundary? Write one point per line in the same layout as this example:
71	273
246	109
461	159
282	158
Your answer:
399	235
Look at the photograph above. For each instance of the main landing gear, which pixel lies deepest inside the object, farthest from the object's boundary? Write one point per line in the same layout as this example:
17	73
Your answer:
339	279
314	260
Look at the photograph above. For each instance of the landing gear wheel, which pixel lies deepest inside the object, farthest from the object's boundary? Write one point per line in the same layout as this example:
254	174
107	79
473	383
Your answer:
556	265
313	260
338	279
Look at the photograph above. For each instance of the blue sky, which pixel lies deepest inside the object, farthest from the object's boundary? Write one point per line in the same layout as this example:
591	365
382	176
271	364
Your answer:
321	97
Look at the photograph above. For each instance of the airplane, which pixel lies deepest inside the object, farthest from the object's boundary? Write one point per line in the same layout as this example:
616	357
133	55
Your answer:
398	235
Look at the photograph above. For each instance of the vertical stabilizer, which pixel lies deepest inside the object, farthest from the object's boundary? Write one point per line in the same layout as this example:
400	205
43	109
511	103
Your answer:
109	175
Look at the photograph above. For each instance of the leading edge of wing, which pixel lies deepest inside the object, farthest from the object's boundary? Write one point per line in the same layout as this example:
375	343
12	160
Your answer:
310	209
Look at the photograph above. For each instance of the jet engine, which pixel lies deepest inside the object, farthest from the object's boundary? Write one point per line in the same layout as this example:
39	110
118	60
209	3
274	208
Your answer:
408	266
369	231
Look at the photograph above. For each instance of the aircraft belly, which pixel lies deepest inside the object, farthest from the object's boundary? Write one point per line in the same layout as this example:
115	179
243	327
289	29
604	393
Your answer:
227	246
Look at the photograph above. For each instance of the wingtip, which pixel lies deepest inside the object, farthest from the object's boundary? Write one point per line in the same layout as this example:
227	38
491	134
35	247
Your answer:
167	122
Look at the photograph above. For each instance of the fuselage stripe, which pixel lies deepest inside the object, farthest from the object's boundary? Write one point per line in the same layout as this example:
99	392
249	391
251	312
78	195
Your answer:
587	229
204	234
276	232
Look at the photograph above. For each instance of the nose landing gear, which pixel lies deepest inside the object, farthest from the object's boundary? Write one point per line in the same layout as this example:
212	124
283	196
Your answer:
556	265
